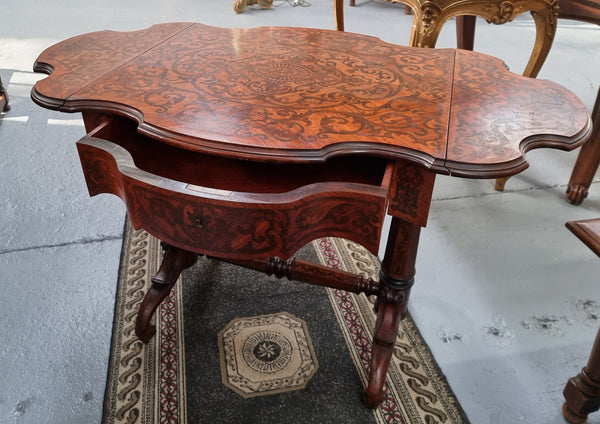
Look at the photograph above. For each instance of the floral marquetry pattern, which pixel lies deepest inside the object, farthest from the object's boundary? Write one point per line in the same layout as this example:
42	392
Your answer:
282	88
298	94
484	126
231	87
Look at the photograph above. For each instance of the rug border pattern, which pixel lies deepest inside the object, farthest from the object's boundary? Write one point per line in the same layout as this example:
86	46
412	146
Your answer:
147	386
422	395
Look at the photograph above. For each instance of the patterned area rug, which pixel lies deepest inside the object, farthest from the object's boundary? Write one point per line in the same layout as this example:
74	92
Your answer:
236	346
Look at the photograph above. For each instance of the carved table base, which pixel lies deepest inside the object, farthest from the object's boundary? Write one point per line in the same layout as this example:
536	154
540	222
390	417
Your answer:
392	298
263	229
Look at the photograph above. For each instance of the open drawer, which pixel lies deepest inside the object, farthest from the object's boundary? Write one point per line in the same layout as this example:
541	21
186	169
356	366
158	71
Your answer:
234	209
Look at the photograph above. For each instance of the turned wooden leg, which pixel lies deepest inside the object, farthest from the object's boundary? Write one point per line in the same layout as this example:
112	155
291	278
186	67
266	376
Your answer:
338	11
4	106
582	392
587	161
391	308
174	261
396	279
465	32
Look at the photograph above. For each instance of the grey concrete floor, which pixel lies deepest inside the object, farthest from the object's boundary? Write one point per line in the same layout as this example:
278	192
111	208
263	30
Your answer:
505	296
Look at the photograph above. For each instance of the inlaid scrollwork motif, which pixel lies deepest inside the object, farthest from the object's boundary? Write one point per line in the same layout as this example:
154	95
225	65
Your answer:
97	56
222	228
408	182
363	218
278	93
300	86
523	112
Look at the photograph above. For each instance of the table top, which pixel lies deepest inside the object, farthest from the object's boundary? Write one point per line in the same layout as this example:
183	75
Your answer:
300	95
588	231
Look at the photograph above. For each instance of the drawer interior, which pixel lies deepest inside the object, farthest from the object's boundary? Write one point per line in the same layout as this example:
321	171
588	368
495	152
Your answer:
239	175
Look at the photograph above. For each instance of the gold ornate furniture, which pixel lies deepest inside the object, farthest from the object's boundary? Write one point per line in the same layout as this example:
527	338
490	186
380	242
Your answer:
431	15
582	392
244	145
240	5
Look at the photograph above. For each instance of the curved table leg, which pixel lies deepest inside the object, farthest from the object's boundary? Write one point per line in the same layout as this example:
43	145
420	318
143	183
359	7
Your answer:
396	279
582	393
587	162
391	308
174	261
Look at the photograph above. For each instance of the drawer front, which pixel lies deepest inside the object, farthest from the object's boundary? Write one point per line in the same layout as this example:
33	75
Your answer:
234	225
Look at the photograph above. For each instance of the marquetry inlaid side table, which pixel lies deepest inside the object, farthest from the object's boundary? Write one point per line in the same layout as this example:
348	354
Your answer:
246	144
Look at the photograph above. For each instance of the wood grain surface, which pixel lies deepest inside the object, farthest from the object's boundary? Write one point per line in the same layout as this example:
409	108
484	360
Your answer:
299	95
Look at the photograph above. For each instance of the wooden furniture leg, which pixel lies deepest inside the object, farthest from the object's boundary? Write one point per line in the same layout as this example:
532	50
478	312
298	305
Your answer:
582	392
587	162
465	32
240	5
396	279
4	106
338	10
545	28
173	263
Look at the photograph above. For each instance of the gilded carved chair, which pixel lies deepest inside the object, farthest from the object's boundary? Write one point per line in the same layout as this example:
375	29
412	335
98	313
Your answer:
431	15
589	155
